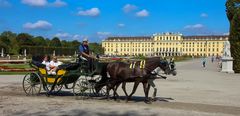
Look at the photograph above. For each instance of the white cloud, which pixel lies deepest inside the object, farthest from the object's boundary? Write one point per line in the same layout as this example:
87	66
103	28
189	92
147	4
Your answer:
90	12
226	33
121	25
142	13
78	37
35	2
59	3
102	35
129	7
41	3
196	26
204	15
4	3
39	25
63	35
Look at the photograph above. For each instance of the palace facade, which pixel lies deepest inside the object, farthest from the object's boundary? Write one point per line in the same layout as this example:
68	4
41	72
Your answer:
165	44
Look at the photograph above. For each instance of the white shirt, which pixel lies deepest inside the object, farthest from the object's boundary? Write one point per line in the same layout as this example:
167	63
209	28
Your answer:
56	64
47	64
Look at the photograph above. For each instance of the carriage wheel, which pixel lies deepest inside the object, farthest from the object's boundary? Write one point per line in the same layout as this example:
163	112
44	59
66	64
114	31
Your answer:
82	88
32	84
102	92
56	89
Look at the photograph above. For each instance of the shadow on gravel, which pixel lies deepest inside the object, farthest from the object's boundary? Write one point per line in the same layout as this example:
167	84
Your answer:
121	98
81	112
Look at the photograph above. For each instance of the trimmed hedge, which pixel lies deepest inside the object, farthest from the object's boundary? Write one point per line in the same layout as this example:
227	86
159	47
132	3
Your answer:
235	51
40	50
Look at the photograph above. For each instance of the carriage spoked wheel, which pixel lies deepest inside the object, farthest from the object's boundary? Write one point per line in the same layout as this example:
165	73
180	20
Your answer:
82	88
32	84
103	90
56	89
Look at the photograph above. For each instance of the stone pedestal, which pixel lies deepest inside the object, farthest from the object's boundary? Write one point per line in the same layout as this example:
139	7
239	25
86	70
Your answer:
227	65
2	52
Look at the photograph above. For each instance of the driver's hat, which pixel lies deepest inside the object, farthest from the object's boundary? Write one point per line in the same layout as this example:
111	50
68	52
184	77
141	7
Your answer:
85	40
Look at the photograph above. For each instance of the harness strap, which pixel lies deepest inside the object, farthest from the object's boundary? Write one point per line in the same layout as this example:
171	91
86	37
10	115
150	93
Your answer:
132	65
142	64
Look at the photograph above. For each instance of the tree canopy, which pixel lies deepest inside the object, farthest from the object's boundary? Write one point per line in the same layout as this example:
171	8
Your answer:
233	14
14	43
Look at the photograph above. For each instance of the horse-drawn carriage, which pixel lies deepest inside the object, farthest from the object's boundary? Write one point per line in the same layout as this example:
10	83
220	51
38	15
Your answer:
84	84
71	76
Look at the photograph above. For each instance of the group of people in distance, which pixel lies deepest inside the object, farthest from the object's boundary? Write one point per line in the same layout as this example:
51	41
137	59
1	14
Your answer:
51	65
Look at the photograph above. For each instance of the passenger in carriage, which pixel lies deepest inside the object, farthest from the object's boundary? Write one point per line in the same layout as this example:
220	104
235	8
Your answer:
46	61
54	65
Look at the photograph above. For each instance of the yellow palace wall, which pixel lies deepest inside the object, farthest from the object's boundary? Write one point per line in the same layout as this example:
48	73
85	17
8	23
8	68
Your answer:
166	44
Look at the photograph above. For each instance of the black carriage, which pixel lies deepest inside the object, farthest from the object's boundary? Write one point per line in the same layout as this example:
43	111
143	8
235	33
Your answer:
71	76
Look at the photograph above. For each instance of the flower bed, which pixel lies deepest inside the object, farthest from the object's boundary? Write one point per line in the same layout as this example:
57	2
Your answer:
8	69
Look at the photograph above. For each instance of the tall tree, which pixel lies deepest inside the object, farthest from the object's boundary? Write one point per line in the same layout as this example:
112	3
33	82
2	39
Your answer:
65	43
75	43
13	47
96	48
39	41
25	39
55	42
5	40
233	14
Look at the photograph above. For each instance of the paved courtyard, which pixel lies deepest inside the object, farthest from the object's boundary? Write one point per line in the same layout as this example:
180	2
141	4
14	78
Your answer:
194	91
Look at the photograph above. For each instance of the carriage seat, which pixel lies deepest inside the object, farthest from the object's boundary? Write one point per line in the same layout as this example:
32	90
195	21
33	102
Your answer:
70	66
38	64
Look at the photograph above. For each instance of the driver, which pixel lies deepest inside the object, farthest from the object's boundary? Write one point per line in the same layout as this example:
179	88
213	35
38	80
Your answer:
85	54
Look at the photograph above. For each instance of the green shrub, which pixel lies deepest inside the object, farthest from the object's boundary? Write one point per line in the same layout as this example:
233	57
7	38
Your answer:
235	51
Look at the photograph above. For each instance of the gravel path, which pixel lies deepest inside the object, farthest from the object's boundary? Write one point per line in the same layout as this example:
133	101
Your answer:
195	91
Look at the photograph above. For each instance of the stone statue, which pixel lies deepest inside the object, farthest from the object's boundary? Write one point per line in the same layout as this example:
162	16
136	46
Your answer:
226	50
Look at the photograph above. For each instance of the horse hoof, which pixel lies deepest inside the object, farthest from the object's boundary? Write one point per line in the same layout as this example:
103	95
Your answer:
153	99
147	101
126	100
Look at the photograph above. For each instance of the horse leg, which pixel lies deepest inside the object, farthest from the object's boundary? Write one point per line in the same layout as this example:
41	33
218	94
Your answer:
134	90
146	88
151	83
116	96
108	90
124	88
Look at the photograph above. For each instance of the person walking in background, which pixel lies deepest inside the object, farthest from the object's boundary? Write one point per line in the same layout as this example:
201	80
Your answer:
212	59
204	62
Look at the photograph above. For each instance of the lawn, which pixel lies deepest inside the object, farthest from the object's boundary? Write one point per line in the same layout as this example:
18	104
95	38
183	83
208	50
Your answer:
18	66
13	73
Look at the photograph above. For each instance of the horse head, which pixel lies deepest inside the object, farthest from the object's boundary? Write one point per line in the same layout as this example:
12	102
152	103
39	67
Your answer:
168	67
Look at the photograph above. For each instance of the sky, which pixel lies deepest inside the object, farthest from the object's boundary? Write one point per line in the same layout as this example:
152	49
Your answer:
98	19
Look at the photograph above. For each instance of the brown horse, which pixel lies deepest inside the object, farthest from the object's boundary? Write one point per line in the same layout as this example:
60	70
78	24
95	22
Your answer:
121	72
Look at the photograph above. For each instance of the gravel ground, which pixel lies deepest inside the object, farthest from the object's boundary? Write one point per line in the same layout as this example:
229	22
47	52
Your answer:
195	91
